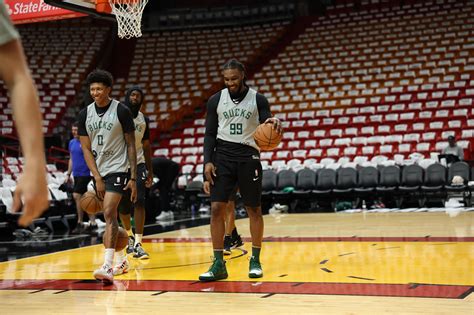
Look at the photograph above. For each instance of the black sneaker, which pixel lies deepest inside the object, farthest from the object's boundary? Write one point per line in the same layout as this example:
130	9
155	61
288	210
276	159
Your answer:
80	228
92	228
140	252
131	243
227	245
236	242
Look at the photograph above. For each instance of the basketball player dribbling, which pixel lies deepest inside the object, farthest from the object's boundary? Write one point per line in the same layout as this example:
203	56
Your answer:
107	135
133	100
232	159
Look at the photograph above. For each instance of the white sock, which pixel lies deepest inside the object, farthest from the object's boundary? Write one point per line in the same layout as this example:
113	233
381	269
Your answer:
109	256
138	239
120	256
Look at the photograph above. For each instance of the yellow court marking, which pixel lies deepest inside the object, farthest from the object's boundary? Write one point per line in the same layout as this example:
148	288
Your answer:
448	263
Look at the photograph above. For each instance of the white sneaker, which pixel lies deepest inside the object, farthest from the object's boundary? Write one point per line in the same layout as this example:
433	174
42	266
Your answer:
278	208
205	211
99	223
121	268
104	273
165	215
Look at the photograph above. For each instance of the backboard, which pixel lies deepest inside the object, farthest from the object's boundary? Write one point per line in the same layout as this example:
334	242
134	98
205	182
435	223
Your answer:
83	6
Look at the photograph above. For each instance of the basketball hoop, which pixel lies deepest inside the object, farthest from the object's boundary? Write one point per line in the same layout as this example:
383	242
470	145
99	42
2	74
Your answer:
128	13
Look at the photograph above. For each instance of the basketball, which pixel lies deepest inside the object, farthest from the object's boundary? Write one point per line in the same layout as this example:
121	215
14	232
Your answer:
122	239
266	137
90	203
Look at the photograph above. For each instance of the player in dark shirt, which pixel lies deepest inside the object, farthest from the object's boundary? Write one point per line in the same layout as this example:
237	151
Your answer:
232	159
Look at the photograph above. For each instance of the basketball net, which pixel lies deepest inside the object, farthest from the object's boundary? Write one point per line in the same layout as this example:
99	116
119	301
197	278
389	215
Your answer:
129	16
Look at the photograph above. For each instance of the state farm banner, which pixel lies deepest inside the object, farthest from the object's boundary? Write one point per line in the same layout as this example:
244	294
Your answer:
29	11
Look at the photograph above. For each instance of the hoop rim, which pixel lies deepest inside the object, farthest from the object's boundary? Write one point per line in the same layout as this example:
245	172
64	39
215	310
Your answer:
103	6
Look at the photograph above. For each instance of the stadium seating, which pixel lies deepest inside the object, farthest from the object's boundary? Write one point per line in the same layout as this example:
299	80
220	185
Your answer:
60	54
365	82
180	70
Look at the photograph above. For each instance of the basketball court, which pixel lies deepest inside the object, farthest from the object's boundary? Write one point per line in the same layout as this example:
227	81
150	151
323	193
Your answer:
318	263
313	264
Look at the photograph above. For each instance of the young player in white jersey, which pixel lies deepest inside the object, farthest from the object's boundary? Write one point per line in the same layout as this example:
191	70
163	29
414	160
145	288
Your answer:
232	159
133	100
107	135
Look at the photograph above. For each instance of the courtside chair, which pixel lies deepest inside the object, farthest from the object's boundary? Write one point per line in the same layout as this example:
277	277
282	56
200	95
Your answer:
367	182
286	183
434	182
412	179
390	178
463	170
345	185
269	184
305	183
325	183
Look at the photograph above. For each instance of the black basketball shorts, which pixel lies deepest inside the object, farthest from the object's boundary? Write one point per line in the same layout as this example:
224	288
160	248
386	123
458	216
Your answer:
126	205
80	184
234	194
115	182
246	175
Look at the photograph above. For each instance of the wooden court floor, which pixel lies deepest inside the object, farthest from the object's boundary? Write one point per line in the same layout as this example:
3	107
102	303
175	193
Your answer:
361	263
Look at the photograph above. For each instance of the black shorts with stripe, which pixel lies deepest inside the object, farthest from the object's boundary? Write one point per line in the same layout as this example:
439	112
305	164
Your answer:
115	182
80	184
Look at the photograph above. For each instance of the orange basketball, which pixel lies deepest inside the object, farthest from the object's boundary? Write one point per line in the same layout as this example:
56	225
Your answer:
90	203
122	239
266	137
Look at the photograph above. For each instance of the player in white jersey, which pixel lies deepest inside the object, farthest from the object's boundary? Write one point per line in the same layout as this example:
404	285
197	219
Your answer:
232	159
133	100
107	135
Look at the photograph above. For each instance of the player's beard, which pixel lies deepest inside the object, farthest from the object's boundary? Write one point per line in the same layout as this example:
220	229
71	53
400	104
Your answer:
134	109
240	89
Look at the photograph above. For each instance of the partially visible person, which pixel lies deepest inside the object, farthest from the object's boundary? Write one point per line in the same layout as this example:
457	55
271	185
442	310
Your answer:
107	135
453	148
167	171
133	100
31	192
77	167
232	238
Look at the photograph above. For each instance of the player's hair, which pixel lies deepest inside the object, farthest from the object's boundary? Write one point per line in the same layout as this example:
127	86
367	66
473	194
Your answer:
100	76
75	124
235	64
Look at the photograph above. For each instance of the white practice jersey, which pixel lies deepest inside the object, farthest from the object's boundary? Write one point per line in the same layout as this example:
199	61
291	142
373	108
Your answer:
107	140
140	127
238	122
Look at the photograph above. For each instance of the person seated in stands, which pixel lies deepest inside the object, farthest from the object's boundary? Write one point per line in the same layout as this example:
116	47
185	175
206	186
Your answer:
453	149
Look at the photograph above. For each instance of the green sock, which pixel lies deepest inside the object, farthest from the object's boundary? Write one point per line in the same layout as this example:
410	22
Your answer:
256	252
219	254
